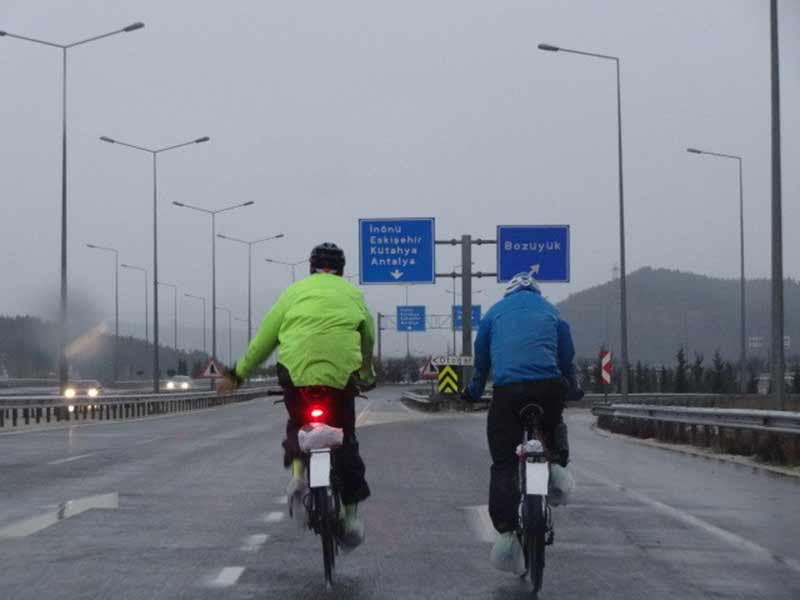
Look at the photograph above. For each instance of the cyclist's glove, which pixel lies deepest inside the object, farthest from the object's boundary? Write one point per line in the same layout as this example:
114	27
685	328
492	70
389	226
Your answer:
467	397
233	378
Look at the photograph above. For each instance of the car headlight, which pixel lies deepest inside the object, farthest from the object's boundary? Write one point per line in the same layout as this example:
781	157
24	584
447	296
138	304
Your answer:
69	393
170	385
92	392
71	408
185	385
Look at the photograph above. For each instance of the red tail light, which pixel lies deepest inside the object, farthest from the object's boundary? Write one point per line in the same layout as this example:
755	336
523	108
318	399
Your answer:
317	413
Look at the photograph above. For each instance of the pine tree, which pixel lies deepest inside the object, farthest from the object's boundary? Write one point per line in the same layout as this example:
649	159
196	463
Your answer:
796	378
640	379
667	380
698	384
681	379
717	374
729	378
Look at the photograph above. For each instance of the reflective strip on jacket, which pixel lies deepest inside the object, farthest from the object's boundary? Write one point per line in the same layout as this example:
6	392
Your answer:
324	331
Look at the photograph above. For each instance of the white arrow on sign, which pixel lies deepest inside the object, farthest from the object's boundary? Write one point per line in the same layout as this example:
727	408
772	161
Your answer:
535	269
396	274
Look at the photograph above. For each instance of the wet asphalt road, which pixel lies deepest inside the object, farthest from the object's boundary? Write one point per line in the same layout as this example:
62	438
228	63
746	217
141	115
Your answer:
199	515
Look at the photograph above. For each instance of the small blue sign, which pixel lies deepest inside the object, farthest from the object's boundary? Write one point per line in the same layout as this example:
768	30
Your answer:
458	316
397	251
410	318
542	250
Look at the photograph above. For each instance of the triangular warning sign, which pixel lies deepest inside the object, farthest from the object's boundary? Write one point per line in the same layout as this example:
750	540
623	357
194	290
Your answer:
212	371
429	371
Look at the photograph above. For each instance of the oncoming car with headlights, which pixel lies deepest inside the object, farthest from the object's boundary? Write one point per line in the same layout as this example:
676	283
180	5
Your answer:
87	388
179	383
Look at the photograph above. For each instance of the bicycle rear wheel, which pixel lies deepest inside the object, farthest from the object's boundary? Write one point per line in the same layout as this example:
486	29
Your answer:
324	506
535	530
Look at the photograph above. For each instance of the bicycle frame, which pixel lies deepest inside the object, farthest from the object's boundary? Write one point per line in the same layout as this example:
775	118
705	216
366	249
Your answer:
323	502
534	512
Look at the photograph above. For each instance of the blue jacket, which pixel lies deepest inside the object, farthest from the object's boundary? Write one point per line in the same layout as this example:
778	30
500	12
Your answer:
522	338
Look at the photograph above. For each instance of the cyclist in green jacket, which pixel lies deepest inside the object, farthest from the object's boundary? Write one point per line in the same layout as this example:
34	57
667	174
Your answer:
326	337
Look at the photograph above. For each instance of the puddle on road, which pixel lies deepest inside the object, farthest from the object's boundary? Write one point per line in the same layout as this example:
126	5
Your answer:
69	509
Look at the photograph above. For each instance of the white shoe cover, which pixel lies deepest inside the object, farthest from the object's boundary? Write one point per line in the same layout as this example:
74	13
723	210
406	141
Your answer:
507	554
562	485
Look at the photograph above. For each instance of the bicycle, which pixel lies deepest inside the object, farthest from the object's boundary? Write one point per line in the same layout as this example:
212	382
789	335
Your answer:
535	530
322	503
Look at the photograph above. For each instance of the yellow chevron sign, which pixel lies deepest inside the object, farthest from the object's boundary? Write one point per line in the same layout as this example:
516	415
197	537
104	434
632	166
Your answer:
448	380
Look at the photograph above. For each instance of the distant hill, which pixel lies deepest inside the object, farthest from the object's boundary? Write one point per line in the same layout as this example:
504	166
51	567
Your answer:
668	309
28	348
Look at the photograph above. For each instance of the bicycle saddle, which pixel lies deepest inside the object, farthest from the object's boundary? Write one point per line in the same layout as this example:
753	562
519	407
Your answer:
531	410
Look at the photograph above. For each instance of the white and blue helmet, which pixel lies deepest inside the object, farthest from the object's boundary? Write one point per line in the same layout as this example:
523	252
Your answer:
522	281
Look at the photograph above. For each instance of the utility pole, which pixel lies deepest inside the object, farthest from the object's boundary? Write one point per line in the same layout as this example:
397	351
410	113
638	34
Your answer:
466	275
466	304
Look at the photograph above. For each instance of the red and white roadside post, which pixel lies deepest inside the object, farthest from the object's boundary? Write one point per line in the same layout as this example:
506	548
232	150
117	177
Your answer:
606	370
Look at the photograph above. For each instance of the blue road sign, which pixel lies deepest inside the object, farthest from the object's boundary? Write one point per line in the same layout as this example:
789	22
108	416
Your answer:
410	318
397	251
542	250
458	316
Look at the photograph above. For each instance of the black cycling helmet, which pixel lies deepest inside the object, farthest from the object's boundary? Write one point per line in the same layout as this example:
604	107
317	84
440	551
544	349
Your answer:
327	256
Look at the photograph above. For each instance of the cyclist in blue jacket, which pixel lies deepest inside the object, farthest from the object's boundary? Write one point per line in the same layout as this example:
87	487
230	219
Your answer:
528	347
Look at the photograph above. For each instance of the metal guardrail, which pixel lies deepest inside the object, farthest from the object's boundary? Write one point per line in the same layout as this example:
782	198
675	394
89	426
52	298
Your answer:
37	409
775	421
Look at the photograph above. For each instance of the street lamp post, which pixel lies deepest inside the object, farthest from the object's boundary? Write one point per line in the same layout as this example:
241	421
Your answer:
116	304
742	317
288	264
205	347
230	334
408	334
62	324
622	274
241	320
213	214
249	245
146	317
154	153
174	312
777	364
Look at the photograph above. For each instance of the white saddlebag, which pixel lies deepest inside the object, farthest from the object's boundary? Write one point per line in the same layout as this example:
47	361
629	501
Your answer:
316	436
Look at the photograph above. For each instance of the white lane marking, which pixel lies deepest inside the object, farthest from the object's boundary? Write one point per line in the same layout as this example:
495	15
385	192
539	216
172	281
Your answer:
481	522
147	441
724	535
273	517
363	414
64	511
61	461
254	542
227	577
282	500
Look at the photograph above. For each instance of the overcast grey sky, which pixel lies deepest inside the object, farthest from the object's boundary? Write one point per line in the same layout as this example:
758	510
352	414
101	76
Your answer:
324	112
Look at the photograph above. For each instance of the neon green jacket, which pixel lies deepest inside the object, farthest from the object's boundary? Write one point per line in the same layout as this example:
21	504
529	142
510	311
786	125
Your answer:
324	331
